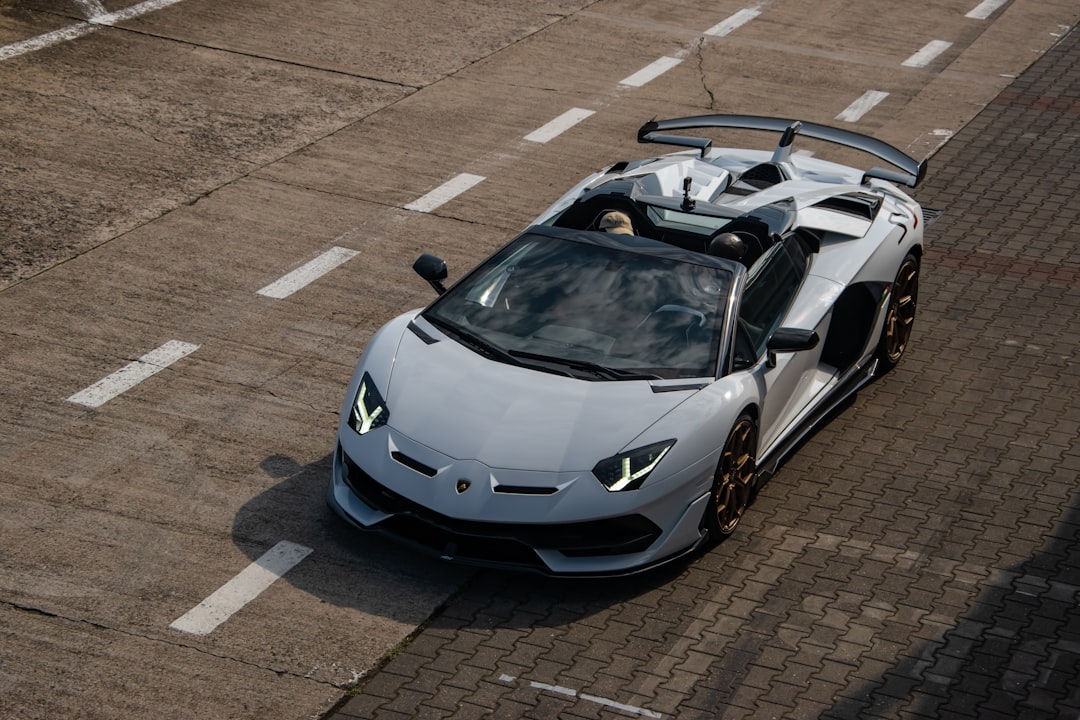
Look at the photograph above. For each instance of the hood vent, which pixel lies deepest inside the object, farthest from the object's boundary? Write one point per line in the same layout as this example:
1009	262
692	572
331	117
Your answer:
413	464
524	490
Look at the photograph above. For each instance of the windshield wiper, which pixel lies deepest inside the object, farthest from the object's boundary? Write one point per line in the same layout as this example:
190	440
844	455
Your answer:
603	371
514	357
474	341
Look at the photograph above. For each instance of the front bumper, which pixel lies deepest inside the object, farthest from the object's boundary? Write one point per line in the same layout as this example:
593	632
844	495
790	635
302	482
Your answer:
630	539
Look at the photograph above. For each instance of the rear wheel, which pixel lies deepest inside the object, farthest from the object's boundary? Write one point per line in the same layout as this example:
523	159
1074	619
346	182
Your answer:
900	315
733	483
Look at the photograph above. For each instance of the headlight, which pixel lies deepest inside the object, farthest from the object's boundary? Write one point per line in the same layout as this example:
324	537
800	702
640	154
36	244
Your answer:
628	470
369	410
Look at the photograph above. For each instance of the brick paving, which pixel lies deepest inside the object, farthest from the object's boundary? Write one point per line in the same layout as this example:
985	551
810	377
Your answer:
918	557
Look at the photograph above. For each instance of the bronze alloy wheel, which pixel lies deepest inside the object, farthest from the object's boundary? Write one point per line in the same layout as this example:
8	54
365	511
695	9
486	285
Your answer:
900	316
733	485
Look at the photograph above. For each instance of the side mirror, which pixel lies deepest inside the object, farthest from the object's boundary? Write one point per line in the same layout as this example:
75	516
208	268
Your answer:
432	269
790	340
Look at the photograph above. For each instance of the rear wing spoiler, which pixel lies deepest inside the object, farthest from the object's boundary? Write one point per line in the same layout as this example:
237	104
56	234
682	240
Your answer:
909	170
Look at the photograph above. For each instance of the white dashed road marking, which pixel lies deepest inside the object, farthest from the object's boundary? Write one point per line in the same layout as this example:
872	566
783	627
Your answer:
734	22
559	125
926	56
132	374
242	589
866	103
650	72
286	285
985	9
445	192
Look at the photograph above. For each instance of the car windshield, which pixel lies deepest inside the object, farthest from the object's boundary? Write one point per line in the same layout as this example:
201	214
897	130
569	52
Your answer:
594	311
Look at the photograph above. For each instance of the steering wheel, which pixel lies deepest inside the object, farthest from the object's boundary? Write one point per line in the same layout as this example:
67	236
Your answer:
683	309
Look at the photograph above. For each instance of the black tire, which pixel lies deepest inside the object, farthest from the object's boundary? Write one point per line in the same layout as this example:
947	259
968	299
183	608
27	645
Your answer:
900	315
735	479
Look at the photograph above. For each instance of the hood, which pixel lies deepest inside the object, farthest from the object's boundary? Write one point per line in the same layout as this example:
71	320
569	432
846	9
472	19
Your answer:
468	407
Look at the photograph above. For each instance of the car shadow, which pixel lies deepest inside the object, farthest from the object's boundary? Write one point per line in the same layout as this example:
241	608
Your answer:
346	568
294	509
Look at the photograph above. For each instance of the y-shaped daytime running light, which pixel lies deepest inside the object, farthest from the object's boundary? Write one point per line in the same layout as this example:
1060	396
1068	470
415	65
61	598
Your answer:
369	409
627	471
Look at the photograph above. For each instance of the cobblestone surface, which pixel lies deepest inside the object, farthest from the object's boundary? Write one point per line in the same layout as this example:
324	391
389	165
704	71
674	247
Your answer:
919	557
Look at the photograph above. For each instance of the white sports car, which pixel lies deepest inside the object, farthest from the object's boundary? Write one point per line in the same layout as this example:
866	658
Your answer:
608	391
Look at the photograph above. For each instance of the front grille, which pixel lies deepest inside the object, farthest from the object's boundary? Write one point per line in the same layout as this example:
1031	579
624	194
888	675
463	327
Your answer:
372	493
446	543
468	539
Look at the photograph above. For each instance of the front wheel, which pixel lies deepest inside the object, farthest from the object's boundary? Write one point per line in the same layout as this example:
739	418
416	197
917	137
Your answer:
733	483
900	315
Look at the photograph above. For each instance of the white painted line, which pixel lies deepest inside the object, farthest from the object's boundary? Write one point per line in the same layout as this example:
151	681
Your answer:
43	41
132	374
554	688
91	8
926	56
620	706
95	21
286	285
133	11
570	692
985	9
866	103
445	192
242	589
734	22
559	125
651	71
